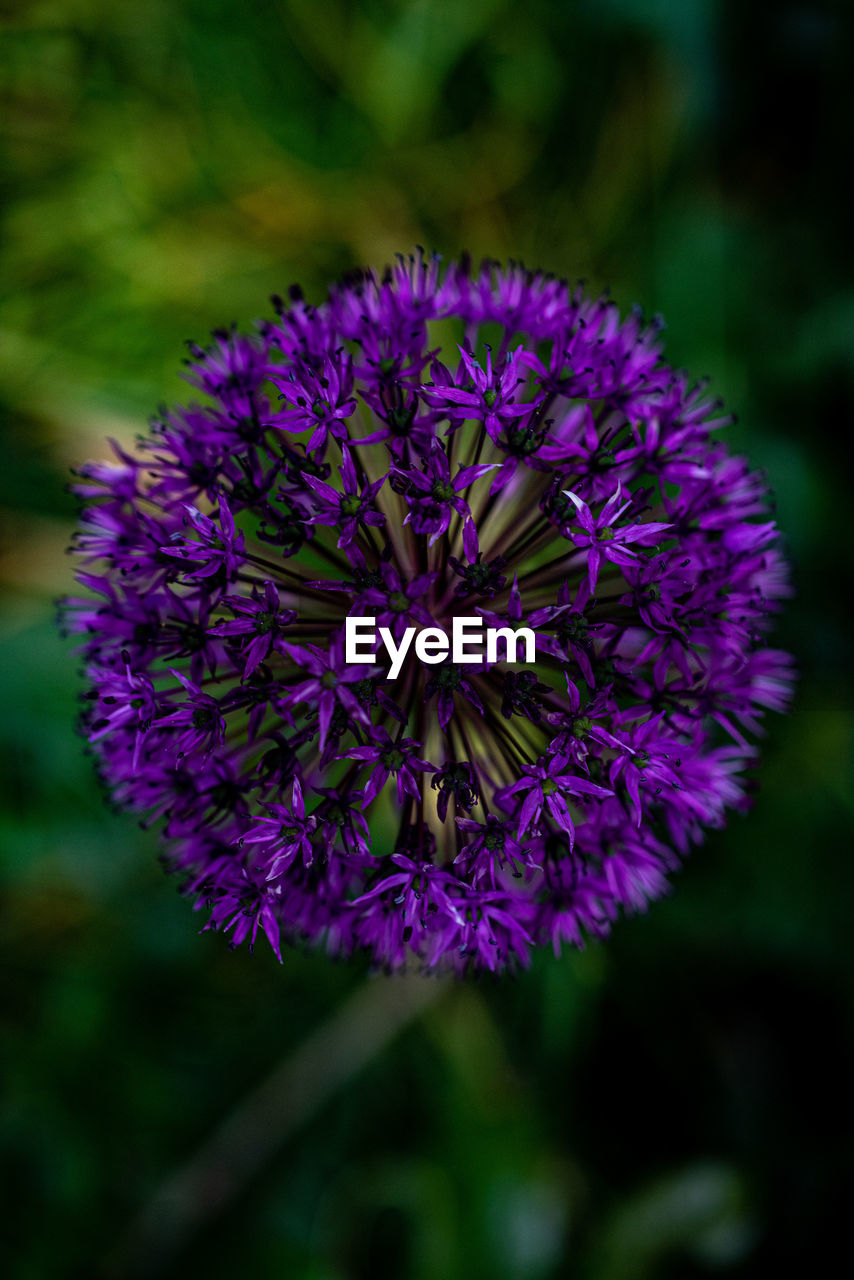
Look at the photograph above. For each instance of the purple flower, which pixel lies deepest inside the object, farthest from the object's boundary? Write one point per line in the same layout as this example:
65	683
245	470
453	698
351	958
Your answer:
446	680
328	684
218	550
455	780
198	720
121	700
349	509
284	832
604	539
259	624
492	397
390	757
396	603
433	496
492	848
546	787
320	400
468	811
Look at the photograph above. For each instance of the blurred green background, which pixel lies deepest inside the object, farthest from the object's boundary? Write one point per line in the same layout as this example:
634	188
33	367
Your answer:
674	1104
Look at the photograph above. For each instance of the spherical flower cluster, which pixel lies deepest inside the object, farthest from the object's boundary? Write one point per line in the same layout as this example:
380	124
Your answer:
542	467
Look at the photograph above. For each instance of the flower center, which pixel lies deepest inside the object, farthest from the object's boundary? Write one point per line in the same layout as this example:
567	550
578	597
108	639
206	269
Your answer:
400	420
442	492
523	442
448	677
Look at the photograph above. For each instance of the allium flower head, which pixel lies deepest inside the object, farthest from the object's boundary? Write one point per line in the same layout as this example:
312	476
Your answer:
562	479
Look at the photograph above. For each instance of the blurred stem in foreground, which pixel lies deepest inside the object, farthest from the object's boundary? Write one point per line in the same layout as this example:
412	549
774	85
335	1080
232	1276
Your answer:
251	1136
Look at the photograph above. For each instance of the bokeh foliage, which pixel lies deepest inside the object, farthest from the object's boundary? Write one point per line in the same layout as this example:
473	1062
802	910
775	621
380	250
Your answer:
676	1104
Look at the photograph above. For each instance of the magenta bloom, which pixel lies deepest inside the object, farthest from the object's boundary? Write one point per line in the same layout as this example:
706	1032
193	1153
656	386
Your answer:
564	479
489	396
604	538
